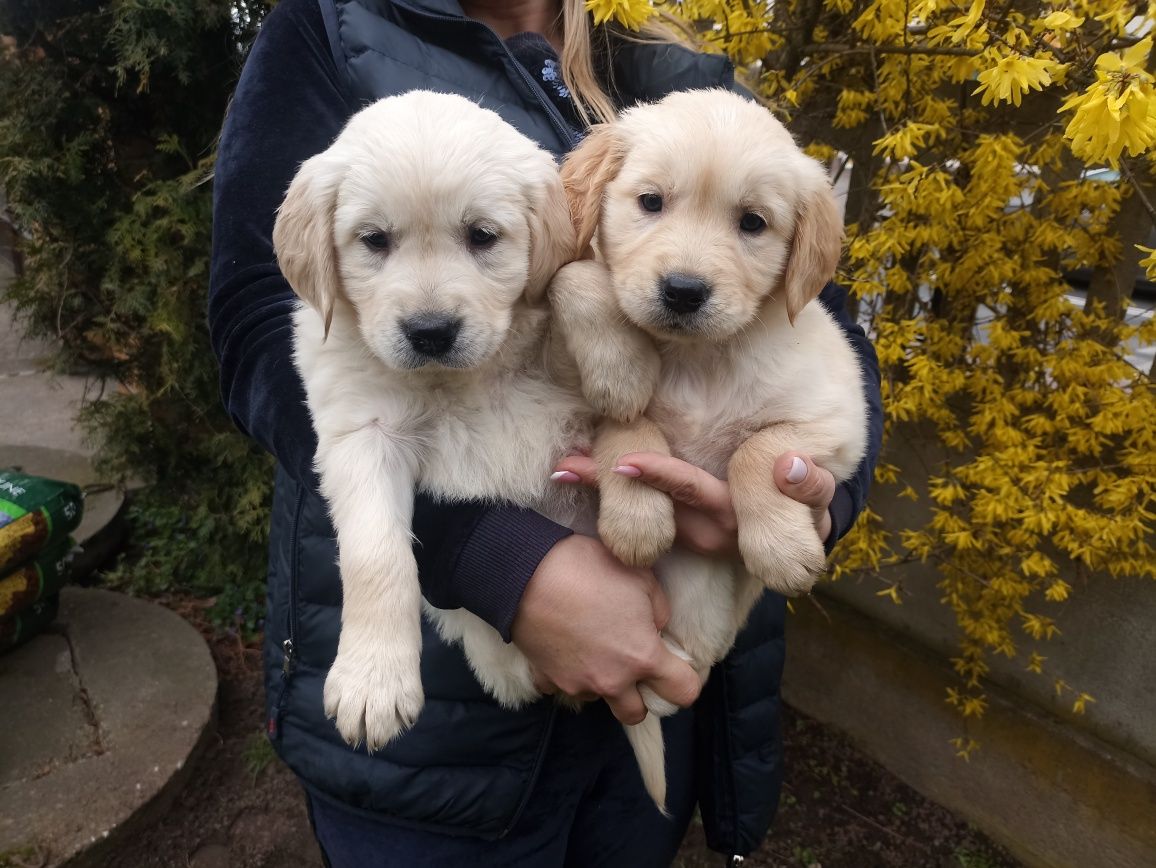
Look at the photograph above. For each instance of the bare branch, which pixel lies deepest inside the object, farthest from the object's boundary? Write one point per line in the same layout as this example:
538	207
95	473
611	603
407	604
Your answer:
921	48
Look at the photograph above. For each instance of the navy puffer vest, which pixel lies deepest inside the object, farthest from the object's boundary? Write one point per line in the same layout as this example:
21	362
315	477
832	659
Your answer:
468	767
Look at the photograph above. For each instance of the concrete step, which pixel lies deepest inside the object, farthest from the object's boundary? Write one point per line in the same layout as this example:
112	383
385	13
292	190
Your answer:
103	718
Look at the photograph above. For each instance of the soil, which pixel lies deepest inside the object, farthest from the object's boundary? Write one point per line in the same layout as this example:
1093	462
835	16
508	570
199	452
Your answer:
244	809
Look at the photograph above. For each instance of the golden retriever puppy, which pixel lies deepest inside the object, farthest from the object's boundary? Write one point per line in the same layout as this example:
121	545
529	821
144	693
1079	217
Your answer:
694	334
421	243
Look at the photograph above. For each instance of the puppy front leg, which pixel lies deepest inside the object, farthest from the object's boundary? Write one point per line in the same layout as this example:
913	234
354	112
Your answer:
777	537
501	668
617	362
635	520
373	690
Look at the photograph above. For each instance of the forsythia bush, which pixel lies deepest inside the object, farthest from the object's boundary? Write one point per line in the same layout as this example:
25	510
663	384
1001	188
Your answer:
995	147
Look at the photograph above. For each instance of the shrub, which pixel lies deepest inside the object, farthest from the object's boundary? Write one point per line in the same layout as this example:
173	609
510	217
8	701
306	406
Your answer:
111	114
997	149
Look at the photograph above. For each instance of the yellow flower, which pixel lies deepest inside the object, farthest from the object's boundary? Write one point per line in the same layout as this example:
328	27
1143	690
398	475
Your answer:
892	592
631	14
1117	113
1059	21
905	141
1080	705
1036	663
1013	76
1148	263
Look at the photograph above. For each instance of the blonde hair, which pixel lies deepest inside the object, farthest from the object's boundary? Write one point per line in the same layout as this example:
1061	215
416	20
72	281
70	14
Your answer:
581	39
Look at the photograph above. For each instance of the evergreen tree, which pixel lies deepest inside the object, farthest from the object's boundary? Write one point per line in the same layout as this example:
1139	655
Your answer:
111	112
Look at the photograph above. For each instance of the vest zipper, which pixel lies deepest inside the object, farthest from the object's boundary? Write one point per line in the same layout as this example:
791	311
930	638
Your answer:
288	648
565	133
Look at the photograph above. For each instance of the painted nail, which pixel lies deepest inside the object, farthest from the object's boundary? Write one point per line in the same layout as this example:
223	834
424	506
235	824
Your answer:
627	470
564	476
797	471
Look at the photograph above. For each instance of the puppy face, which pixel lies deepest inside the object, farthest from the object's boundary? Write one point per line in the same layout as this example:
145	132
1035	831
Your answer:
706	213
431	219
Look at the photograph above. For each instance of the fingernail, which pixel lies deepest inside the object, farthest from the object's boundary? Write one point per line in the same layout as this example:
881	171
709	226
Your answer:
798	470
564	476
627	470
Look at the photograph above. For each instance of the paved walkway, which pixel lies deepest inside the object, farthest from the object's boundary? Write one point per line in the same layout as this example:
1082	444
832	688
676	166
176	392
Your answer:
38	407
38	434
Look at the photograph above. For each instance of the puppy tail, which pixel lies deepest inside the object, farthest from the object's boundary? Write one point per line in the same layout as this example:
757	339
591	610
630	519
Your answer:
650	751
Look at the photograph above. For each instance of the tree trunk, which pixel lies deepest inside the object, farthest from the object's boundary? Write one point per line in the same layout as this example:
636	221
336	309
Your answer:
1112	286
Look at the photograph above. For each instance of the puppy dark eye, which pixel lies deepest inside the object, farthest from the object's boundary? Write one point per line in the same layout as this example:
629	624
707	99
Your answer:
482	238
651	202
376	240
752	223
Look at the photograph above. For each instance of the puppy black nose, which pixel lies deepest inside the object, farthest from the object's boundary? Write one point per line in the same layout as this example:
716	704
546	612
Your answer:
431	335
682	293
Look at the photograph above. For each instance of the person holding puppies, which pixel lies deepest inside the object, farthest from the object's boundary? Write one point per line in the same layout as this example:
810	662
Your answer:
470	782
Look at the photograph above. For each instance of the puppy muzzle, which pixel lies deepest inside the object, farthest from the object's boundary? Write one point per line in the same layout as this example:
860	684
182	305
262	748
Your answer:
432	336
683	294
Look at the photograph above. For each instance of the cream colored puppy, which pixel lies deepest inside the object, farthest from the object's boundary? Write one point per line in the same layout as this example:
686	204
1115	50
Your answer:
695	335
421	243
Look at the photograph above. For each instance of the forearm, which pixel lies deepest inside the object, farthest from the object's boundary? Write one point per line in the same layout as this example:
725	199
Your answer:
480	557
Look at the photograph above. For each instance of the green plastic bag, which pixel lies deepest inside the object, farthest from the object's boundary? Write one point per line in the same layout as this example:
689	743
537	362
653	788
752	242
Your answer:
37	579
20	628
34	514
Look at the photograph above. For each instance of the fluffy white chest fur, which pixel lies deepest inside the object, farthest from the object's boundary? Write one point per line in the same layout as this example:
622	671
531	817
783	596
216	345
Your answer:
710	398
489	433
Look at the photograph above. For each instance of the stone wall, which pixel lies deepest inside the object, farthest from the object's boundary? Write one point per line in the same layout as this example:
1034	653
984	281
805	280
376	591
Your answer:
1058	788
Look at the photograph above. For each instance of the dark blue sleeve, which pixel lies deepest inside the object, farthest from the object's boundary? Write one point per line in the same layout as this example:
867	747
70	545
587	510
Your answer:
851	496
290	104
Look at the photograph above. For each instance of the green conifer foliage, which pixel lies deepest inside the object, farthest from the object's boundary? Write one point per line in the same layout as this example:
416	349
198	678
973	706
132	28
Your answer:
111	111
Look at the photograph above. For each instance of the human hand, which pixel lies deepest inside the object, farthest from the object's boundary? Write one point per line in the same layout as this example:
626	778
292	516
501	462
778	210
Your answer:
801	479
704	516
590	627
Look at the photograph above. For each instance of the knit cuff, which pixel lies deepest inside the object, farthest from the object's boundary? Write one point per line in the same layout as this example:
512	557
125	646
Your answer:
497	561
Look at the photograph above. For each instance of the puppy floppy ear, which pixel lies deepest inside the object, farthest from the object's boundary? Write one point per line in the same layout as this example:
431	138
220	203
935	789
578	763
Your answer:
303	233
551	232
815	248
585	174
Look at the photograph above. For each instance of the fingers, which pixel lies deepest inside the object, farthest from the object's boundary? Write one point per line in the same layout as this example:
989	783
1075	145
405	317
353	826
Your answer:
546	687
682	481
575	469
801	479
675	680
628	706
658	601
542	682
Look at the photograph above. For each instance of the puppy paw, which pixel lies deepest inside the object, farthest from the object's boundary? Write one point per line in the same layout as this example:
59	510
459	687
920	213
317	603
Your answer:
373	693
636	522
619	374
783	550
